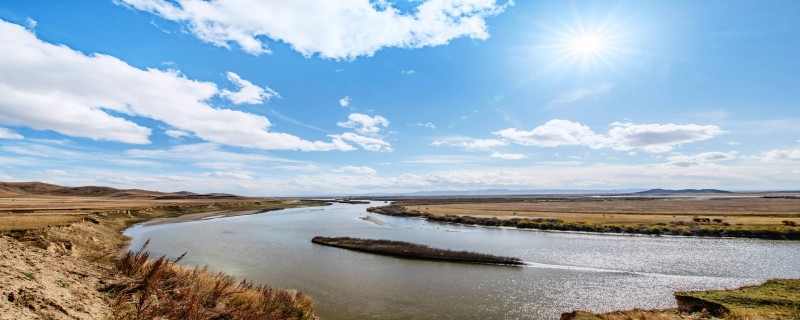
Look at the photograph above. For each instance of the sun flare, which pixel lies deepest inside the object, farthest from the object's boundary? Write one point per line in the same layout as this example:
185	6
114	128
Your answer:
589	44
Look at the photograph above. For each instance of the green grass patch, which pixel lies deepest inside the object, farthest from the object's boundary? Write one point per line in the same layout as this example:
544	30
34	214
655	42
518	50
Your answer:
774	299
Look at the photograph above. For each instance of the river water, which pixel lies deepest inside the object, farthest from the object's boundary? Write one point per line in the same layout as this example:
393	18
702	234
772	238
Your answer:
566	270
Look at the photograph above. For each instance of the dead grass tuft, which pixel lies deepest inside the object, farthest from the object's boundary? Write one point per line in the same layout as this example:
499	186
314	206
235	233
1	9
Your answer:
162	289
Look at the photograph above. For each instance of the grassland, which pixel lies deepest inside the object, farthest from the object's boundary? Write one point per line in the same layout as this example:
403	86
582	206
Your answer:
737	215
409	250
777	299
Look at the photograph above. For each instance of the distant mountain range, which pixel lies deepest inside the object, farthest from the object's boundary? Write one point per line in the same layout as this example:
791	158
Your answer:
20	189
683	191
510	192
504	192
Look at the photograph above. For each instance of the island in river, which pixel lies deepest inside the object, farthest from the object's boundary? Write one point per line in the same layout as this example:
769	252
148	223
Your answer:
410	250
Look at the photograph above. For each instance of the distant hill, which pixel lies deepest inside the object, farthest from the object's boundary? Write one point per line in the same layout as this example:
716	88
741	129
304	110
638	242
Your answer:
502	192
683	191
21	189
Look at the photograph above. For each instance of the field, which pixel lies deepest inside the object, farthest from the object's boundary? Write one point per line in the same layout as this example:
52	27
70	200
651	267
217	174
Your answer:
749	210
31	212
769	216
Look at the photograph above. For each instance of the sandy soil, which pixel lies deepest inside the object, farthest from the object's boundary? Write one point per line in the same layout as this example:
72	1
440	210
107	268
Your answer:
199	216
32	287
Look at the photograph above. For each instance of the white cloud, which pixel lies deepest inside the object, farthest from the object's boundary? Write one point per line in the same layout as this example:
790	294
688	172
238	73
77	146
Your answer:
468	143
367	143
659	137
443	160
781	155
508	156
229	175
344	102
622	137
484	144
177	133
552	134
332	29
30	23
55	172
428	125
365	124
581	94
248	92
6	133
356	170
50	87
680	160
408	72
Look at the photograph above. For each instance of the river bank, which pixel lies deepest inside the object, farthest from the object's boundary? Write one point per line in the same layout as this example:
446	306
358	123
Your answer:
776	299
60	262
612	220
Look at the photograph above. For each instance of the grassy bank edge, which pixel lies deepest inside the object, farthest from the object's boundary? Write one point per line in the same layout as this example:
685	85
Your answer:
699	230
777	299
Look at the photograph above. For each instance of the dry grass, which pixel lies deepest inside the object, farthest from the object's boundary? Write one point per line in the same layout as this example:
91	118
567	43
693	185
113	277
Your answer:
747	211
36	221
636	314
88	227
162	289
33	212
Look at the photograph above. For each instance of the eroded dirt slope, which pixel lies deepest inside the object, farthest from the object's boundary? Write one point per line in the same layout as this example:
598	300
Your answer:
49	284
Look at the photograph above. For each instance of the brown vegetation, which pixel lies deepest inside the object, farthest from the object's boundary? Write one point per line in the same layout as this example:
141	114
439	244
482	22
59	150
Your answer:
77	230
413	251
731	216
162	289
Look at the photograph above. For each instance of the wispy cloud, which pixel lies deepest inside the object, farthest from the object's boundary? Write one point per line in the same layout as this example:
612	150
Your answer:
428	125
468	143
581	94
6	133
508	156
356	169
248	92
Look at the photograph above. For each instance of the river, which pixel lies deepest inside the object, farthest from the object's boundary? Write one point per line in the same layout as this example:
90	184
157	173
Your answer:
566	271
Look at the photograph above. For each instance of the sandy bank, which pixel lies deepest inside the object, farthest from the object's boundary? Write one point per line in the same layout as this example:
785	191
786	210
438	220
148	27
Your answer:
44	284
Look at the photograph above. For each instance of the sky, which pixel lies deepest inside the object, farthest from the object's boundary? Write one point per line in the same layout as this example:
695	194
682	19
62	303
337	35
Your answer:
316	97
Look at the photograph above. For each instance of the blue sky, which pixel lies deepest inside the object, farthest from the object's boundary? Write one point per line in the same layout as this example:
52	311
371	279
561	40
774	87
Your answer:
318	97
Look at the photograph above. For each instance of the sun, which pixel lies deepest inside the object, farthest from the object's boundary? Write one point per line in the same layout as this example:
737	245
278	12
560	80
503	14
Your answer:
588	45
